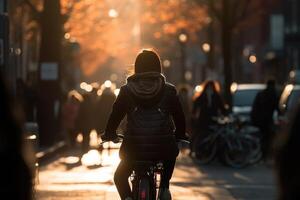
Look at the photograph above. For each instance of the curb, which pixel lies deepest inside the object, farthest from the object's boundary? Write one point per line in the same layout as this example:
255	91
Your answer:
50	152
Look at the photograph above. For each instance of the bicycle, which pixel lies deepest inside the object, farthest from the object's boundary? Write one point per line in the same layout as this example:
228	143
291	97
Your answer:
145	178
234	143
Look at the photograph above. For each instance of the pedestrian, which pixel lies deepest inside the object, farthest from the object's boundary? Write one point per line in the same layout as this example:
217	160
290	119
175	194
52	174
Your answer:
265	104
87	115
70	114
150	104
105	104
183	94
16	178
208	105
30	100
287	160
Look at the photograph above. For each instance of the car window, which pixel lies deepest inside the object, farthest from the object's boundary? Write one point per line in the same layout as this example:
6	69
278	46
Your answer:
244	97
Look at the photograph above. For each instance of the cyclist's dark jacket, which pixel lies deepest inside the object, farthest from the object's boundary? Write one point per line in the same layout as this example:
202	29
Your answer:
146	90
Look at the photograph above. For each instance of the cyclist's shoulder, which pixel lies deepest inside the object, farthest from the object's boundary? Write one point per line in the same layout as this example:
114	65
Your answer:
124	90
170	89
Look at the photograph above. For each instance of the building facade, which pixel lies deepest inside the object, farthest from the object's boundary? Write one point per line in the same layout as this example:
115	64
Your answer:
292	33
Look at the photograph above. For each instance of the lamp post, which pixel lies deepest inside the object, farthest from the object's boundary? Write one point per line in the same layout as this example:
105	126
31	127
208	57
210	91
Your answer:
183	40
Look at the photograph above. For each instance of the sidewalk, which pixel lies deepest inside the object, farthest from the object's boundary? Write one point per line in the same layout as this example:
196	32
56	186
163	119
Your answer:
45	154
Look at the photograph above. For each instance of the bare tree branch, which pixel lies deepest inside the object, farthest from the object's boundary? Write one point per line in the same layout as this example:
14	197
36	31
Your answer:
214	10
240	16
70	9
235	9
36	12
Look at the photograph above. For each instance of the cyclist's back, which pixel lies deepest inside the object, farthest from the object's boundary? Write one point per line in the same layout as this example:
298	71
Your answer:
151	106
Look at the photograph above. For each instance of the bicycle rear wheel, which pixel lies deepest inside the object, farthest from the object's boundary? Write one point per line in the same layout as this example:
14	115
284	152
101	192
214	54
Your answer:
255	149
144	192
236	155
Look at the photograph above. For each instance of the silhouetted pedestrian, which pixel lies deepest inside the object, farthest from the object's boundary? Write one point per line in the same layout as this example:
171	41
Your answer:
183	94
70	115
207	106
264	105
105	104
86	121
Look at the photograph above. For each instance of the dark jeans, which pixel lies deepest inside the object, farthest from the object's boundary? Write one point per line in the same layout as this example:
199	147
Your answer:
125	169
267	141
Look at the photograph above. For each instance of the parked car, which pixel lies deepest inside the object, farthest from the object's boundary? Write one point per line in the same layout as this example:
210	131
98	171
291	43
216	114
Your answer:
243	96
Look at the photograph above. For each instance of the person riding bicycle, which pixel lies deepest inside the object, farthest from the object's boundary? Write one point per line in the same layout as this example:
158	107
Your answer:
153	139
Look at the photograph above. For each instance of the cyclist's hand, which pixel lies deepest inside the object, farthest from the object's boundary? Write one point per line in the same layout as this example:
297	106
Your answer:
182	140
104	137
117	140
108	137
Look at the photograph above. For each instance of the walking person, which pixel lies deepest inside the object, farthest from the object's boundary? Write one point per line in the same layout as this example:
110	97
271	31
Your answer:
104	108
87	116
70	115
207	106
146	89
183	94
265	104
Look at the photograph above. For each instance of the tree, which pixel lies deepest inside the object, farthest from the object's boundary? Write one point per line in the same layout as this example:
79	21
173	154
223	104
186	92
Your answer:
233	15
163	21
50	20
136	24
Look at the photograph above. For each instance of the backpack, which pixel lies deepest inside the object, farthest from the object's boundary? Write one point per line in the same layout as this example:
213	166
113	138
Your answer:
150	133
150	120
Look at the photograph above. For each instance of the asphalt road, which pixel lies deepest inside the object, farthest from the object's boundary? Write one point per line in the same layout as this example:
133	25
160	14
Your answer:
64	178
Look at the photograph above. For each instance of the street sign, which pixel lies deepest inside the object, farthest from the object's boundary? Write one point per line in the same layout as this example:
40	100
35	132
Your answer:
277	32
49	71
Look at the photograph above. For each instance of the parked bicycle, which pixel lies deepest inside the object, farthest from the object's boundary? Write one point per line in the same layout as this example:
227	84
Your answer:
235	144
145	177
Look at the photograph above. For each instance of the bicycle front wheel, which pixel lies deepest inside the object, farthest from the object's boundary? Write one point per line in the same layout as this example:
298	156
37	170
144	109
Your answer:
205	150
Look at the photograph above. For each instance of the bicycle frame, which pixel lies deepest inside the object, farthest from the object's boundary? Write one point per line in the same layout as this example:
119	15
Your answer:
144	179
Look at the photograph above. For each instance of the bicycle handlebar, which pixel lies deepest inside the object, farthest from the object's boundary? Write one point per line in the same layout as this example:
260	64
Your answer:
183	141
118	140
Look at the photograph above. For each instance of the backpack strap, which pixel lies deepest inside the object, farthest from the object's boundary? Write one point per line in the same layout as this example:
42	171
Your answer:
161	102
135	105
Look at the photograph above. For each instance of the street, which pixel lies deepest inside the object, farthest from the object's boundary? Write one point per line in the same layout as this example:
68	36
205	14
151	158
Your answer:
64	178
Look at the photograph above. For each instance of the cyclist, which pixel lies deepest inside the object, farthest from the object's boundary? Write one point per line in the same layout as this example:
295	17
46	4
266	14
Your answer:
147	88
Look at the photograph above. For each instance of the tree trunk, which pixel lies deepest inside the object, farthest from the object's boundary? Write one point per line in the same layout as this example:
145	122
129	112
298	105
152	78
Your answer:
49	71
226	46
226	37
211	41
